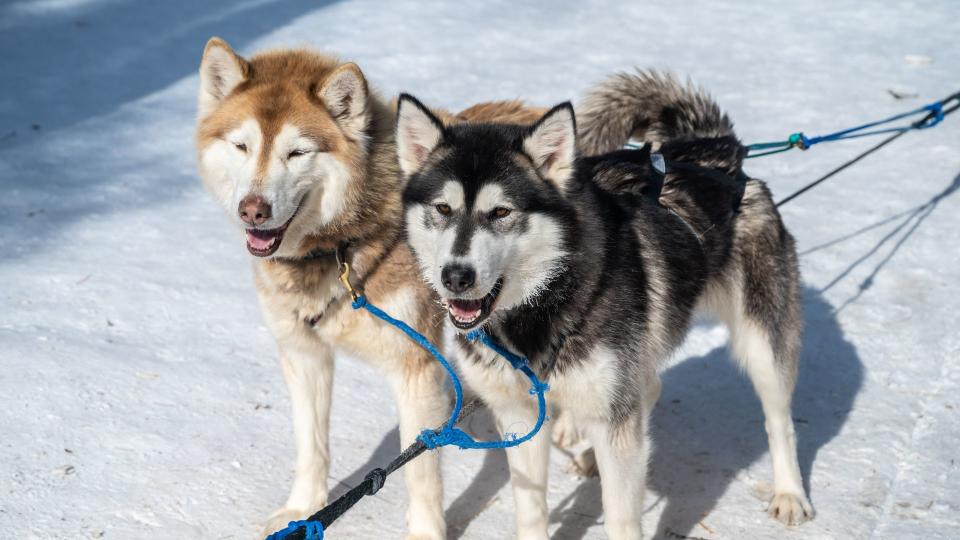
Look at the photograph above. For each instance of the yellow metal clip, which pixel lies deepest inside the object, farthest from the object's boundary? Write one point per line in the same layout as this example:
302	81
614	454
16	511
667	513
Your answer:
345	279
341	254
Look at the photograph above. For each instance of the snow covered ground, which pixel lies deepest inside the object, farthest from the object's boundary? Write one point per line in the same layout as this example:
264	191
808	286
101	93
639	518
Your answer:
139	392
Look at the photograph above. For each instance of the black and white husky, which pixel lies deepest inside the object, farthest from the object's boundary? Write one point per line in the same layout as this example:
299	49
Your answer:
587	268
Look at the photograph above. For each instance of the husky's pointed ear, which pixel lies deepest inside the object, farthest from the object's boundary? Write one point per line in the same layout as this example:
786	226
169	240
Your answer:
551	144
345	94
221	70
419	131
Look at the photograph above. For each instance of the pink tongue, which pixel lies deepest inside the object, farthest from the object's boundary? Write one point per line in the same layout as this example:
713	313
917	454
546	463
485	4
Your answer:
466	309
259	241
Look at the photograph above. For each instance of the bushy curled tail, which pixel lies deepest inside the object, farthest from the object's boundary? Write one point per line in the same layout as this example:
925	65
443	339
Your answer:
647	106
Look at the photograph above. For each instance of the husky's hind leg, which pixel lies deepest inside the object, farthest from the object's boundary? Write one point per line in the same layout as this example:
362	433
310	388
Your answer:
758	297
762	311
773	379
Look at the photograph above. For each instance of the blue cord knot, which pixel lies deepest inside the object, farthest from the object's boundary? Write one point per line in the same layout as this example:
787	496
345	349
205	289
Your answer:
539	387
937	110
799	140
312	530
445	437
359	302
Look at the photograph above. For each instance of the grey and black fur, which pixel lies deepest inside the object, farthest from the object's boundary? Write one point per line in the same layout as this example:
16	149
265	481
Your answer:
588	268
650	106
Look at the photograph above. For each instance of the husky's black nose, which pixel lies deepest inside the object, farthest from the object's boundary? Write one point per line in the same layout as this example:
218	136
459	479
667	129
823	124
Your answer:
457	277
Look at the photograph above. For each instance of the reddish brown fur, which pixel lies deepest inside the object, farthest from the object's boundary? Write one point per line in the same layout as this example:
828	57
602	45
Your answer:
511	112
281	87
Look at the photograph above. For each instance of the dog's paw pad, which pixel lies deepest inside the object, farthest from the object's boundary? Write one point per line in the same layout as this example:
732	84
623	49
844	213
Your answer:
584	464
790	509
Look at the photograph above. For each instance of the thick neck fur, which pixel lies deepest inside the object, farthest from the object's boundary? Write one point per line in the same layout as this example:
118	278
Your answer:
539	327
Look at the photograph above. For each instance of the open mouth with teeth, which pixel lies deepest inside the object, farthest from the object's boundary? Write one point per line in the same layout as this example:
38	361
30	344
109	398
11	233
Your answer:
468	313
265	242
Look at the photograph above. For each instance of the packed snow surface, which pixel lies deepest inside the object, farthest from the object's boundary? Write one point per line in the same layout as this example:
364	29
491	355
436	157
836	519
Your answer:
141	397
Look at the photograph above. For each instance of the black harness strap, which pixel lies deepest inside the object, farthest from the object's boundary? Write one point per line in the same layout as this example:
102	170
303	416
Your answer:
317	254
375	479
738	184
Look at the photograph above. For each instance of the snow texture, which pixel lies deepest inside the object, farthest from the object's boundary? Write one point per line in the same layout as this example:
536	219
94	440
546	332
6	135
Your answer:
141	397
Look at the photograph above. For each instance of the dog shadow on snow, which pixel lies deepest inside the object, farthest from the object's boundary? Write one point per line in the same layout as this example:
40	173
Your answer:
708	426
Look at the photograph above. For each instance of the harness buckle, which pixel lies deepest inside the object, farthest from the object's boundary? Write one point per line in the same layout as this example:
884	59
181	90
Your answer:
345	270
345	279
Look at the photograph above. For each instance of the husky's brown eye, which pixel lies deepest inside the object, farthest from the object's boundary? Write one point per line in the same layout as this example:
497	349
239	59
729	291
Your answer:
240	146
444	209
296	153
499	212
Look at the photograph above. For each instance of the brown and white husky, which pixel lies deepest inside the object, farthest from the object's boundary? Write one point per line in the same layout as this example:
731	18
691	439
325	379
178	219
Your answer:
300	153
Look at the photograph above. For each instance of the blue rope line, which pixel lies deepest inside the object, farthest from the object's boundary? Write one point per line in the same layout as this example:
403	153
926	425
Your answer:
419	339
934	115
450	434
935	108
460	439
313	530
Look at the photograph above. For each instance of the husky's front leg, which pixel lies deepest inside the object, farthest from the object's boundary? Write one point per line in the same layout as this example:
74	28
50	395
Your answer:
421	404
528	466
622	452
308	371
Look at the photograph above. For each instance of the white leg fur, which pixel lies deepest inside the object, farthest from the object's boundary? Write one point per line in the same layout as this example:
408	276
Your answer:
309	377
752	347
505	392
421	403
528	473
622	455
753	350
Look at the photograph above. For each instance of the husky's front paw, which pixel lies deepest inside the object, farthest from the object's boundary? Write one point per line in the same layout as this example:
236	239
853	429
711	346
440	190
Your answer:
281	518
790	509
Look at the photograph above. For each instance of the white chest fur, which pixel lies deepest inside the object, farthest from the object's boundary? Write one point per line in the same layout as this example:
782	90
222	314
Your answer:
584	390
